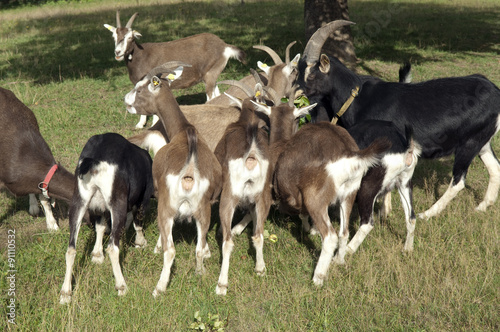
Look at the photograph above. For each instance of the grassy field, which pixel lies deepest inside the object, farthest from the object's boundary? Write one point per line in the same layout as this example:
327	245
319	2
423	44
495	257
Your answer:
58	59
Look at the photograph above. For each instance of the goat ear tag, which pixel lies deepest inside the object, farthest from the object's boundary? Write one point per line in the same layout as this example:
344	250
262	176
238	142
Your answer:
109	27
155	83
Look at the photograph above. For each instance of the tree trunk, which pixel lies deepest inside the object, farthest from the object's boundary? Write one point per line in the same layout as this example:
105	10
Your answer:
319	12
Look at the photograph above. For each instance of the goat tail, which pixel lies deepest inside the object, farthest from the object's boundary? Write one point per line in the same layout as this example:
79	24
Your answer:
373	153
252	157
413	149
85	166
235	53
188	176
405	73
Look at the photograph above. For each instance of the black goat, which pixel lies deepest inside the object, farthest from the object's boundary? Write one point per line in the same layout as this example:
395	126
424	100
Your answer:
112	175
457	115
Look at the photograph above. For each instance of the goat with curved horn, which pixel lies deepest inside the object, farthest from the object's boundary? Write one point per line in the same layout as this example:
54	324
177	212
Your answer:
317	40
276	58
287	52
131	20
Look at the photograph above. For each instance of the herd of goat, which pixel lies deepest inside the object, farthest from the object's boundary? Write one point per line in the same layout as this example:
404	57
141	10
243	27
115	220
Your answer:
253	156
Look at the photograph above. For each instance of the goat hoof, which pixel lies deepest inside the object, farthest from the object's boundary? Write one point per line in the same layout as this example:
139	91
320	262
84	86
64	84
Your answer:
338	260
53	228
34	210
482	207
122	290
157	292
141	244
313	231
237	230
318	280
201	270
221	290
261	273
97	257
157	250
65	298
424	216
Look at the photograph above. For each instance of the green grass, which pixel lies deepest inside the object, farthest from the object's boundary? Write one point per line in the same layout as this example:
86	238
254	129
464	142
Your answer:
58	59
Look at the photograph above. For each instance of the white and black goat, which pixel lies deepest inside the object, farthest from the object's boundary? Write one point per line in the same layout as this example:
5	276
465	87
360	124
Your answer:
27	165
206	53
394	171
114	177
186	174
318	166
455	115
243	153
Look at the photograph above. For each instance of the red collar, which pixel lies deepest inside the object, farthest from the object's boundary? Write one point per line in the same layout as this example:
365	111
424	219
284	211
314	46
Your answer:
44	186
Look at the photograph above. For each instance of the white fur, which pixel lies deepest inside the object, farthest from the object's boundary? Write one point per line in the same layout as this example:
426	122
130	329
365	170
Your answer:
328	247
347	173
97	188
154	141
186	203
439	206
247	183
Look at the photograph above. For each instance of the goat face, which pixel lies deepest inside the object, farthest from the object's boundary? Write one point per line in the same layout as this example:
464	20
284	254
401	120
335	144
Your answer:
124	37
146	96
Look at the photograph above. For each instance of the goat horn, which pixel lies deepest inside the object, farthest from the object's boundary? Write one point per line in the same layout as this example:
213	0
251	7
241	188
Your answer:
165	68
287	52
276	58
273	95
242	86
118	24
317	40
129	23
256	76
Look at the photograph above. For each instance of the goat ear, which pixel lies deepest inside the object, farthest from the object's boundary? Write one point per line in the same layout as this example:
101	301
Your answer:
110	28
136	34
234	100
259	93
288	70
175	74
324	66
155	84
262	108
264	67
298	112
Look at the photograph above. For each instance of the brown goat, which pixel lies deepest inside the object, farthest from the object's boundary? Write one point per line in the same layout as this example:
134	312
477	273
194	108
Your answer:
26	157
186	174
318	166
206	54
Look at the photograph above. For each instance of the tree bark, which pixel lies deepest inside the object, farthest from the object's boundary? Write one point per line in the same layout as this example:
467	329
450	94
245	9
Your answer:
319	12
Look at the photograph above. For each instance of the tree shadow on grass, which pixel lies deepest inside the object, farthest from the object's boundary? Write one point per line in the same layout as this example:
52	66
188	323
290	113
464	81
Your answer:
73	46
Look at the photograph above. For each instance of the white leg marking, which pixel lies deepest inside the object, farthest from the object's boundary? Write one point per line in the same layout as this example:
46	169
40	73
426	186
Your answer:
386	208
201	252
34	210
328	247
97	253
493	168
168	259
439	206
227	248
260	265
358	238
404	193
66	287
155	119
343	234
49	217
142	122
157	248
236	230
114	256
